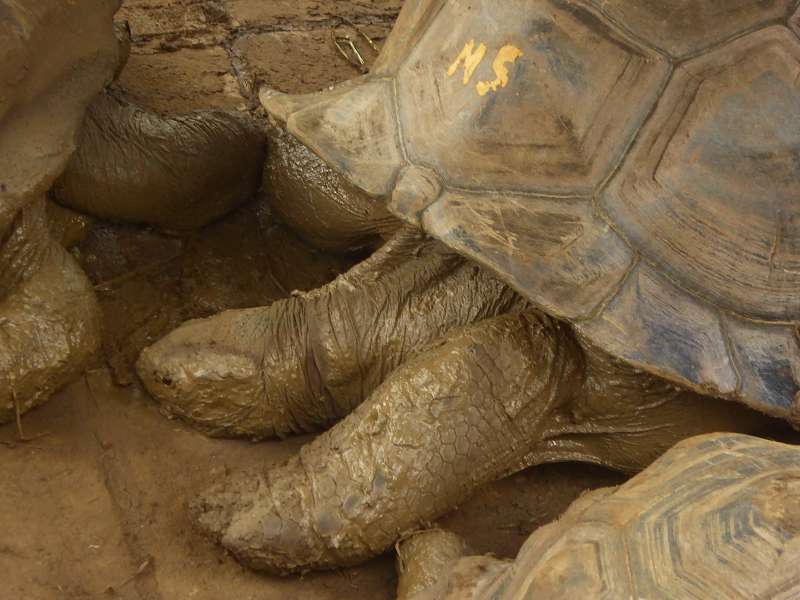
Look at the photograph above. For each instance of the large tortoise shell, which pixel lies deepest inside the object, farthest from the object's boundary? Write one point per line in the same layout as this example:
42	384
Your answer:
632	167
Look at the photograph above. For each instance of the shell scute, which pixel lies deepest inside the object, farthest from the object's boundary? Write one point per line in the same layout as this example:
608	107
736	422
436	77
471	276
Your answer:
711	190
553	250
529	96
684	27
715	517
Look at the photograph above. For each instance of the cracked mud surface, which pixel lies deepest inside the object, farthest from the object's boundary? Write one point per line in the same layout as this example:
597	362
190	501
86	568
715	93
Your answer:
97	507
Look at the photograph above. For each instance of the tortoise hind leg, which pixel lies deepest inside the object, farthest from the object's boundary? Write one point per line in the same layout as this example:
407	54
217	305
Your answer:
179	172
486	401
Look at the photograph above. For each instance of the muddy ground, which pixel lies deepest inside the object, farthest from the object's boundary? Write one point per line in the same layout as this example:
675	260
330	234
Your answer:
94	506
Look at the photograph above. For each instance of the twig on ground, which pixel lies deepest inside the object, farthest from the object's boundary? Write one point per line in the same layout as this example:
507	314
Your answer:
21	437
113	589
348	49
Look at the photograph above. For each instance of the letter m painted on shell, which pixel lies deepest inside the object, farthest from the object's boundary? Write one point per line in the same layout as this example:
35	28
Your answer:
469	58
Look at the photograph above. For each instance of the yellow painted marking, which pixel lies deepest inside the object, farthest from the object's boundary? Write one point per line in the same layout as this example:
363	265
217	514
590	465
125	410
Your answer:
508	55
470	57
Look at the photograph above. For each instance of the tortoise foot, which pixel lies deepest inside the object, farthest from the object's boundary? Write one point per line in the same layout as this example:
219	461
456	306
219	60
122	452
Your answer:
49	333
210	373
264	521
437	429
178	173
305	362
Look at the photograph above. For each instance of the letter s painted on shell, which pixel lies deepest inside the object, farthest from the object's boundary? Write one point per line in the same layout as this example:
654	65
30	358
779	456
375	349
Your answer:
508	55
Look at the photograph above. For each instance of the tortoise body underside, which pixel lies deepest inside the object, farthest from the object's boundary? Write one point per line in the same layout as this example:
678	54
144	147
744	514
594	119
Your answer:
631	169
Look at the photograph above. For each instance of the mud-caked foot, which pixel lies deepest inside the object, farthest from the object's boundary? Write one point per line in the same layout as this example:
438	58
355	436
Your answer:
263	520
210	372
214	511
305	362
49	333
448	421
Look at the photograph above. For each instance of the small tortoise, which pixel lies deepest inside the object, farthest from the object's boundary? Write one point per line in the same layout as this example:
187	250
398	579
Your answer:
615	185
717	516
56	58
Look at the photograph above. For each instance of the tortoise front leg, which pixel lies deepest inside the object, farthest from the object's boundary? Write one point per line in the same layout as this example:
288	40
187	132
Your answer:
463	413
510	391
303	363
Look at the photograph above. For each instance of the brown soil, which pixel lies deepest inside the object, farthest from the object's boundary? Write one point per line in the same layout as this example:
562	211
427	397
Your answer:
95	507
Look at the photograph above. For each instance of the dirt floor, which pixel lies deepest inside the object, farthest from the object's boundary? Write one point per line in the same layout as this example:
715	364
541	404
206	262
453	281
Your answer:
94	506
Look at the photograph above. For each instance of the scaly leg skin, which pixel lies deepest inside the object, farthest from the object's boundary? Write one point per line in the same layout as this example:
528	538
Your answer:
49	319
303	363
488	400
459	415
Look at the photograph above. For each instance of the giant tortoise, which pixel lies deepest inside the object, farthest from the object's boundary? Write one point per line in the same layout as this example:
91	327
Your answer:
608	192
717	516
131	165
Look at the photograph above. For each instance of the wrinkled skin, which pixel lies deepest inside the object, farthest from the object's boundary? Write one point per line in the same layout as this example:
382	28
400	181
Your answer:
431	376
54	58
174	172
120	163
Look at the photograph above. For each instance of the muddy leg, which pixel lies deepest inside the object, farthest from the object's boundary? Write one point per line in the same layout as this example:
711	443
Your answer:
464	413
179	172
317	202
508	392
301	364
432	565
49	319
425	557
